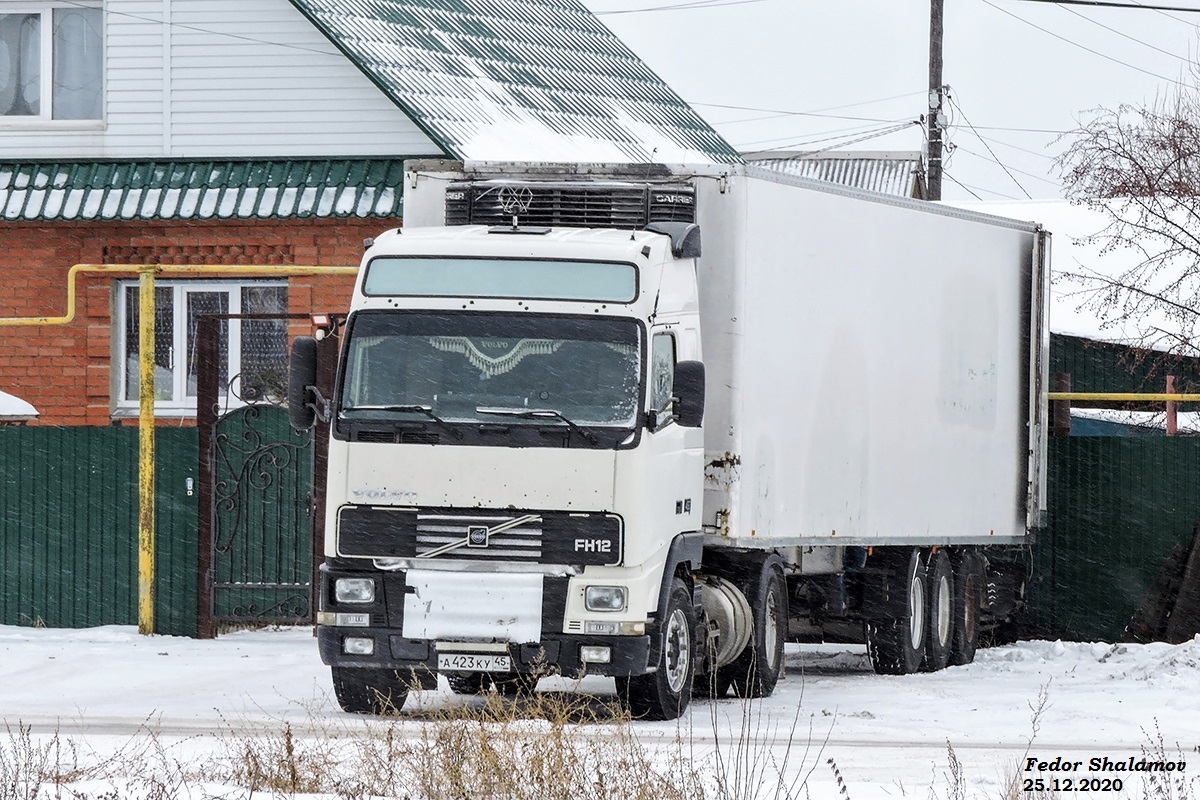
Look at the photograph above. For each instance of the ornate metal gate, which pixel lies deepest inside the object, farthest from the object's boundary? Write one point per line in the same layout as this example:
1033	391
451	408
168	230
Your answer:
257	501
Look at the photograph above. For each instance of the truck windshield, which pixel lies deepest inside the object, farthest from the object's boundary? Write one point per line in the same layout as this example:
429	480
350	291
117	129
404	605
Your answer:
585	368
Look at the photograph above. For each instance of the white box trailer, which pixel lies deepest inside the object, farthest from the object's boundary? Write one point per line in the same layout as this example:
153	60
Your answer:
832	421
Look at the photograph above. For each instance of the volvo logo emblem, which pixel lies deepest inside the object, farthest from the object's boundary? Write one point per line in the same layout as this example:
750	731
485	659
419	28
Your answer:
478	535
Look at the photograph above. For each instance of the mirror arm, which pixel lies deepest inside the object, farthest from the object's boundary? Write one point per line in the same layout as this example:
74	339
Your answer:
320	404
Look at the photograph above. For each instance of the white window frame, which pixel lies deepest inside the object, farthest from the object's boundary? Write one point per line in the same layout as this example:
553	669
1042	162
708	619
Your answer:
180	403
46	52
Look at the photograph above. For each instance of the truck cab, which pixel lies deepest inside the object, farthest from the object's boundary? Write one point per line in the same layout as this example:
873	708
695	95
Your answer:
515	471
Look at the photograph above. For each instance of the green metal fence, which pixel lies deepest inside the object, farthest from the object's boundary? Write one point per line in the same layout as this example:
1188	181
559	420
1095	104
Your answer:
69	527
1118	506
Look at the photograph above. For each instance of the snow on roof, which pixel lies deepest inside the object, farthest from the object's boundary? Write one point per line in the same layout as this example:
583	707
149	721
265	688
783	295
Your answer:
518	80
898	173
1070	225
14	408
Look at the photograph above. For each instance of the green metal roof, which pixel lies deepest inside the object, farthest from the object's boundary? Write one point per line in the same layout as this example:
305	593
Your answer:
198	190
517	80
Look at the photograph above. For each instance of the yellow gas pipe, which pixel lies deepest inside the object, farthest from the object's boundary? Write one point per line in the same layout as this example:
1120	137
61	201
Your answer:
146	311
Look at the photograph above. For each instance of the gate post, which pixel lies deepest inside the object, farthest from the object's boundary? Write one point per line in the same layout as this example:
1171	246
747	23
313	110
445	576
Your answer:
207	401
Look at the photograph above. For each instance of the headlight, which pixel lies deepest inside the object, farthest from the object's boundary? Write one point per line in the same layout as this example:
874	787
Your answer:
604	598
354	590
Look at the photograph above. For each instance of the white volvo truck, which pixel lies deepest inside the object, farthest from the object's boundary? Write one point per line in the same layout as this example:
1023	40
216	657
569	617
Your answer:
650	422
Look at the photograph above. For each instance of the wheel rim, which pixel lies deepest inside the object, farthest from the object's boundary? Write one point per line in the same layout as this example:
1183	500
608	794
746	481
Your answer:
677	645
945	616
916	608
771	634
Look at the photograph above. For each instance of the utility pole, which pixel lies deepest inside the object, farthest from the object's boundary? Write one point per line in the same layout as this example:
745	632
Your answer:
934	118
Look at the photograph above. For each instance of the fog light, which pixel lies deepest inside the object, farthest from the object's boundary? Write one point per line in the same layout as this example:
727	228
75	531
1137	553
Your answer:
358	646
354	590
595	654
607	628
604	598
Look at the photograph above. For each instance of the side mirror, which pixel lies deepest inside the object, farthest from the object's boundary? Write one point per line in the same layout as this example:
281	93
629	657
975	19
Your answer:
302	373
689	393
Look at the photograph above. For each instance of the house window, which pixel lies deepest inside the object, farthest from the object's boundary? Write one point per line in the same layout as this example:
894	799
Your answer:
252	353
51	62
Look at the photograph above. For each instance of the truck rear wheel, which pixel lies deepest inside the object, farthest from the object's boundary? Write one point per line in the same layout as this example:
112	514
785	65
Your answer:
666	692
939	625
896	642
366	690
968	597
756	671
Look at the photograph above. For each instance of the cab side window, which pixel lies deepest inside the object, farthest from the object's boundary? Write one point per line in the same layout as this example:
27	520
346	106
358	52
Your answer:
662	376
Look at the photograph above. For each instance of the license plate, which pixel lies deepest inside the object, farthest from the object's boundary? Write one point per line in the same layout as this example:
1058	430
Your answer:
472	662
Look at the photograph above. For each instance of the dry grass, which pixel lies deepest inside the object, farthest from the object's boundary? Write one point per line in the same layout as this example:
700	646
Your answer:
548	746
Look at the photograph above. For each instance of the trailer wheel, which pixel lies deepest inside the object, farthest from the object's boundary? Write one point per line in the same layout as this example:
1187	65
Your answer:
939	625
760	666
666	692
896	644
364	690
467	682
968	595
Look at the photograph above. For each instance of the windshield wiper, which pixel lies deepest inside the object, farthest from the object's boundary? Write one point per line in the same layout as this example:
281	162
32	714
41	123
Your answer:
412	409
539	413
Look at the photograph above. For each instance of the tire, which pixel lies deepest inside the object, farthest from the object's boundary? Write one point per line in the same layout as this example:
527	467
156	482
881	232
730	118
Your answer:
760	666
366	690
968	597
896	644
467	682
939	622
666	692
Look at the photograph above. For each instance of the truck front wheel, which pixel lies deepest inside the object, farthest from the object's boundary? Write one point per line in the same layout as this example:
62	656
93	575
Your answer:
896	640
666	692
365	690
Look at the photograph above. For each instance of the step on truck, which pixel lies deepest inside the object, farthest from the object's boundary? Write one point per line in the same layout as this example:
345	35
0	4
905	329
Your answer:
652	422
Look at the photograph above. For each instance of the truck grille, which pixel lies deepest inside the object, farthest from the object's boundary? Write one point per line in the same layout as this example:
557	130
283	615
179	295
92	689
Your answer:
521	542
574	205
534	537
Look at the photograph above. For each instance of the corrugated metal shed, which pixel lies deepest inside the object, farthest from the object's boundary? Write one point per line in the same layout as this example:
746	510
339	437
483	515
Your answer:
519	80
896	173
195	190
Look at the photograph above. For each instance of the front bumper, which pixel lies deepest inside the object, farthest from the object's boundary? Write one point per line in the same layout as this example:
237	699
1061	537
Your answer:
554	654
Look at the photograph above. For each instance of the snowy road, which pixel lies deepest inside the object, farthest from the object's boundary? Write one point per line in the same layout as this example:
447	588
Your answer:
887	735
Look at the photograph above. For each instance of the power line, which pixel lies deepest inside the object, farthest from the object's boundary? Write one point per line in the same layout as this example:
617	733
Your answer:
815	111
995	158
107	10
840	141
1003	143
1123	34
1106	4
992	158
851	130
1077	44
963	185
699	4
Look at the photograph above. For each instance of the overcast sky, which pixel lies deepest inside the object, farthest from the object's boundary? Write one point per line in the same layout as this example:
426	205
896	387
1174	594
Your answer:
814	74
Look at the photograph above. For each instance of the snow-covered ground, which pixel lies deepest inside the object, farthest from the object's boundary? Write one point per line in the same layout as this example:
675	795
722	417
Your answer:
888	736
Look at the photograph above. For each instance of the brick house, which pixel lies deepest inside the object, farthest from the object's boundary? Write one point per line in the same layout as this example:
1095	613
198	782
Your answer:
251	132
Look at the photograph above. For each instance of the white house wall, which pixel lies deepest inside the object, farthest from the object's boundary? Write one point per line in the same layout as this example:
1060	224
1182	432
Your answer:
224	78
